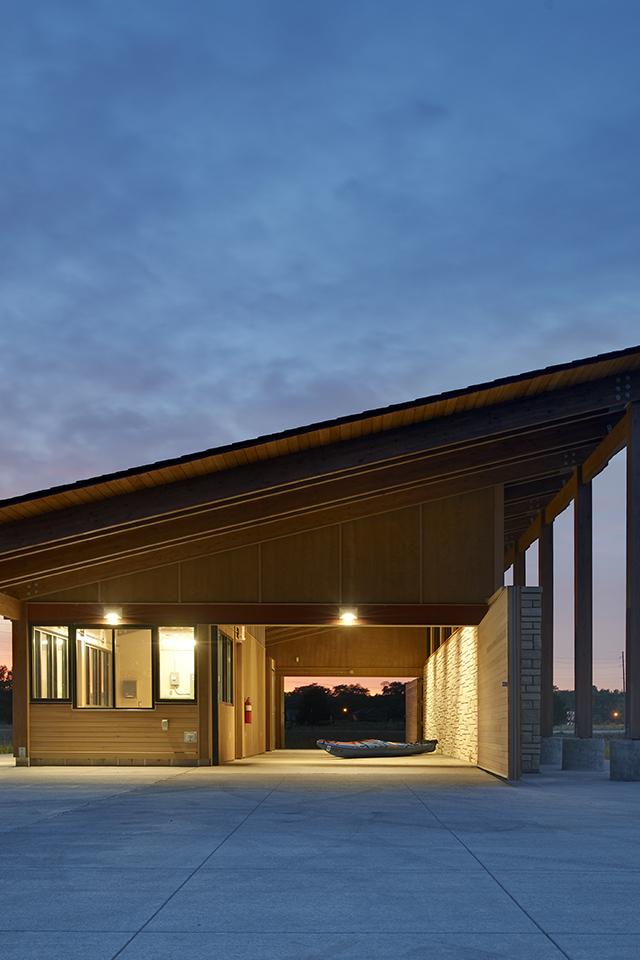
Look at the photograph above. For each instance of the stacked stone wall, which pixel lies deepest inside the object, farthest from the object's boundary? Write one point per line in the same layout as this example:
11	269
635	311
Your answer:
451	695
451	686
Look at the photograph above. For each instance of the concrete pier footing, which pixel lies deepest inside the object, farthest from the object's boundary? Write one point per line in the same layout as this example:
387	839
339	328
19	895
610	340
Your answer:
625	759
583	753
551	751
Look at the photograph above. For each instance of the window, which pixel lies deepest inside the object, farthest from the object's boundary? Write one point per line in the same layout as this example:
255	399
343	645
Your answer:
176	663
225	668
134	687
113	667
94	667
50	663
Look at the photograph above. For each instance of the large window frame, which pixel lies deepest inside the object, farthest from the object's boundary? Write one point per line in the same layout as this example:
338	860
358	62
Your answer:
156	667
70	675
226	668
96	661
72	698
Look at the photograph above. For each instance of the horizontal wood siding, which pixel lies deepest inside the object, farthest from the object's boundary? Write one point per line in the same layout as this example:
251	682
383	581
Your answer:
61	734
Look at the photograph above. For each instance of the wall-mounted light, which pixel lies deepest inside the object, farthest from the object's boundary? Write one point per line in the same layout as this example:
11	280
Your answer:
113	616
348	617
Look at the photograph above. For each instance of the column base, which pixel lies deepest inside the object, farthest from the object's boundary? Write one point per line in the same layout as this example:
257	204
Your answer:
551	751
583	753
625	759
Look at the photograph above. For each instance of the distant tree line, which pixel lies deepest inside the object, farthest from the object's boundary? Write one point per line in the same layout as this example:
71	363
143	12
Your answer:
6	681
608	706
315	705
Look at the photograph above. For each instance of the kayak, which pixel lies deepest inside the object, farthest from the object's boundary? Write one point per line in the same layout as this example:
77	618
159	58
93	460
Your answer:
353	749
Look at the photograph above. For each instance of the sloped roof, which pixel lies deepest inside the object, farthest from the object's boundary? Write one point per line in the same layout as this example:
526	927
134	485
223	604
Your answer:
322	433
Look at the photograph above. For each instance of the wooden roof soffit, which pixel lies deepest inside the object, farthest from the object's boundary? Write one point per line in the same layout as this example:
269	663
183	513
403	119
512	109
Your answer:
546	384
594	464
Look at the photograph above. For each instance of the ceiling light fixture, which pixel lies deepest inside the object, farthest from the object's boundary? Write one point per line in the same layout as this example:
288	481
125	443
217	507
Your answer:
113	616
348	617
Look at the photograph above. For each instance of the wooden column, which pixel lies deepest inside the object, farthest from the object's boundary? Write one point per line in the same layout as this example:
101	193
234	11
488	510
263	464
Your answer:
545	581
205	697
280	713
21	730
520	569
632	706
583	606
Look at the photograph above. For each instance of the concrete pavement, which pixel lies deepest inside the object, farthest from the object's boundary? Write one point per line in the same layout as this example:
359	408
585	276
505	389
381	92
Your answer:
299	855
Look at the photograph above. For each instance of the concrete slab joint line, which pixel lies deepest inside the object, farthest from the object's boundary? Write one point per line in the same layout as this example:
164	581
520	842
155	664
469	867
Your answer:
194	871
216	862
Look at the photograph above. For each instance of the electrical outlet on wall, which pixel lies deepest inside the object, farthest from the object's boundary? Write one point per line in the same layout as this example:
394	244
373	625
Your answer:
191	736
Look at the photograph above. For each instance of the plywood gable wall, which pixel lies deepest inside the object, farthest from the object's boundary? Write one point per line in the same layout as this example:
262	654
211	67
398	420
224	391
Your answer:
444	551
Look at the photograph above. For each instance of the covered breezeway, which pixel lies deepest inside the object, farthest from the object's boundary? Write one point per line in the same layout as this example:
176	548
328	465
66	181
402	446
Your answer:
138	599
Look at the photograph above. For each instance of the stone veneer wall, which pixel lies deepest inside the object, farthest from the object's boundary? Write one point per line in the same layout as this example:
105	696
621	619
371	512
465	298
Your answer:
451	686
530	652
451	695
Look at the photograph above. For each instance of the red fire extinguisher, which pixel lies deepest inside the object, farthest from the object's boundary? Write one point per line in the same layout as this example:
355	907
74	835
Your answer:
248	711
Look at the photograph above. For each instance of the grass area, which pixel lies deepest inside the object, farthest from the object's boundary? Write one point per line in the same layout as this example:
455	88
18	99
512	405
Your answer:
298	737
6	742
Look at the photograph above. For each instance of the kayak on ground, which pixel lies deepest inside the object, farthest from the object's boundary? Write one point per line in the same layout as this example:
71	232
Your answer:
352	749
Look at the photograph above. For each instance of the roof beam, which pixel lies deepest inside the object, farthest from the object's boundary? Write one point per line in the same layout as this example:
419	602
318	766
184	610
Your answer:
172	614
592	465
532	490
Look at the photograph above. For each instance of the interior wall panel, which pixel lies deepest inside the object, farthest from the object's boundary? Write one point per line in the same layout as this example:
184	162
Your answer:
440	552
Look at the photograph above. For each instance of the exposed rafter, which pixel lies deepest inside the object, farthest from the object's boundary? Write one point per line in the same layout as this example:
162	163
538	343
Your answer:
592	465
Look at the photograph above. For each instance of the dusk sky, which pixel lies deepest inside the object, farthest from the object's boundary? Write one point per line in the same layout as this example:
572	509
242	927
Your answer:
224	219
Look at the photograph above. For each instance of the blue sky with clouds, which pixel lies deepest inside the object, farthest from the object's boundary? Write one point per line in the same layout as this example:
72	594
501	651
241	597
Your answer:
221	219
